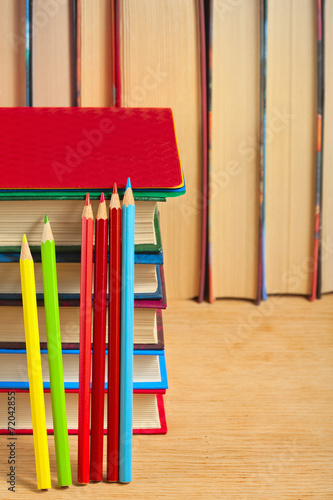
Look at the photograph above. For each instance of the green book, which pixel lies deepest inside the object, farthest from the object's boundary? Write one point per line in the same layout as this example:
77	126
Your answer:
66	223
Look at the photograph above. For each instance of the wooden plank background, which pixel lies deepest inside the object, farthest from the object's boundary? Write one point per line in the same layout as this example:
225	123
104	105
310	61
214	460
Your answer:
249	410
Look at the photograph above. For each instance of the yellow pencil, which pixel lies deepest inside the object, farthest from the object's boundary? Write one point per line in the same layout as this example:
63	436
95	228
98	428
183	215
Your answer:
34	366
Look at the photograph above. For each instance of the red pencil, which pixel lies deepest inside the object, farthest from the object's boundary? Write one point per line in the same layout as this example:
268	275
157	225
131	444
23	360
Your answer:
114	336
87	232
98	366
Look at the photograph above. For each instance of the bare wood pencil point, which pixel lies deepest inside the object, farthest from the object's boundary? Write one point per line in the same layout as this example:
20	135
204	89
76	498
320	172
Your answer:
102	212
87	212
25	250
128	197
115	201
47	232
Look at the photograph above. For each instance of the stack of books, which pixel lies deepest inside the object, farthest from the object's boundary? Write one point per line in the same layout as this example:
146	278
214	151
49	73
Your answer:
64	153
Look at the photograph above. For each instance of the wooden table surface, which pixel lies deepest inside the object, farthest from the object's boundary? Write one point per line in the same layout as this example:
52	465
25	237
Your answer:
249	410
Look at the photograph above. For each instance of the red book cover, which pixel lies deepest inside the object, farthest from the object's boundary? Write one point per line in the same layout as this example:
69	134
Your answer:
5	395
89	148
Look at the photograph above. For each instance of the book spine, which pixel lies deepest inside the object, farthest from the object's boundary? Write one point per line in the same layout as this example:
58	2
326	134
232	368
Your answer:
316	276
261	286
204	151
117	54
210	215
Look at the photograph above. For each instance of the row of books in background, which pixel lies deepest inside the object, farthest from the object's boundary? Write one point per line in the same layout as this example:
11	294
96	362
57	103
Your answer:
265	63
64	209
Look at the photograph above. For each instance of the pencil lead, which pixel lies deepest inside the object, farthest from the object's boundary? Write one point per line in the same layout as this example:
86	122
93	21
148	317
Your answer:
87	200
102	198
115	190
46	220
128	184
24	239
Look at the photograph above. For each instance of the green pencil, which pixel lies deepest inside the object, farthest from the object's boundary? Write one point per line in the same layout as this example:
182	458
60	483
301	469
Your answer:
55	355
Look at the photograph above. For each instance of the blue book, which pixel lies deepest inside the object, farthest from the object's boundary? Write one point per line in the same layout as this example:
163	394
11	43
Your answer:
66	256
149	369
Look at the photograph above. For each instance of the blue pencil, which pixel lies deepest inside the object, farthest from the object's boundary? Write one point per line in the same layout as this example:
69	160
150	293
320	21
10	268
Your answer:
126	343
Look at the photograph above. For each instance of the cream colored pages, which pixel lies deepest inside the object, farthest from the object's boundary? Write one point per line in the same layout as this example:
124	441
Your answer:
12	53
145	328
68	274
327	220
96	53
160	66
52	53
291	145
234	180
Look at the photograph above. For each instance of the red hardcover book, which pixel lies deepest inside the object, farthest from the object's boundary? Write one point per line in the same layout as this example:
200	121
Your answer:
89	149
148	411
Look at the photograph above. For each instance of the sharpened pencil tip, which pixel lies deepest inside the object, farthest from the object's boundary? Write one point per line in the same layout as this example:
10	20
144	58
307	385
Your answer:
24	239
46	219
115	190
102	198
87	200
128	184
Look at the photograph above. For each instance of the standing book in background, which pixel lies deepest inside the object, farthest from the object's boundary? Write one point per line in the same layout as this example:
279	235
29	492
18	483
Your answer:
316	273
233	252
28	51
327	202
52	69
12	50
291	145
261	285
97	62
204	218
159	50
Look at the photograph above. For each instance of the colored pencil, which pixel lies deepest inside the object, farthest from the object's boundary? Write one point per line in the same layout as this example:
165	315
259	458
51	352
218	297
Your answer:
114	337
126	344
34	366
87	232
52	320
99	334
